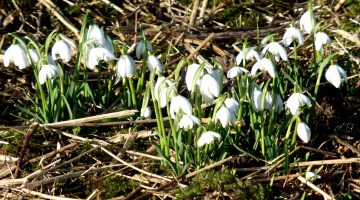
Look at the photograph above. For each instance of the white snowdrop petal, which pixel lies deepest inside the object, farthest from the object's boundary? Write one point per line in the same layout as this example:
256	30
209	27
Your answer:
263	64
180	103
209	88
125	66
304	132
139	48
207	138
305	22
311	176
16	54
96	34
295	101
34	55
62	50
190	75
146	112
232	104
154	63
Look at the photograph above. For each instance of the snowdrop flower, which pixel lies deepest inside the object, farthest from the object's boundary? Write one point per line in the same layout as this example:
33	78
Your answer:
207	138
97	54
180	103
279	106
34	55
16	54
305	22
304	132
96	34
125	66
109	45
48	72
188	121
291	34
236	71
247	54
277	50
145	112
297	100
209	88
225	115
263	64
321	38
161	88
190	75
232	104
257	100
311	176
154	63
139	48
62	50
335	75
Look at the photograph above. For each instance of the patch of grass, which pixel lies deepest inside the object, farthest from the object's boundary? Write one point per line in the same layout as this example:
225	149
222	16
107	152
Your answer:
117	186
222	183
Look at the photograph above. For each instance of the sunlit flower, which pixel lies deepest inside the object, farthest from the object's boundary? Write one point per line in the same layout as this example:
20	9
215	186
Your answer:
232	104
96	34
188	121
48	72
248	54
291	34
257	100
190	75
145	112
180	104
279	106
125	66
139	48
297	100
98	54
109	45
335	75
311	176
162	87
62	50
209	88
276	49
16	54
304	132
264	64
321	38
154	63
305	22
236	71
207	138
225	116
34	55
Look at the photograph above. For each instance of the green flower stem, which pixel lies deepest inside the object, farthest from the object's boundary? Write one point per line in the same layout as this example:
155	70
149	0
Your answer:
133	95
293	140
289	127
173	132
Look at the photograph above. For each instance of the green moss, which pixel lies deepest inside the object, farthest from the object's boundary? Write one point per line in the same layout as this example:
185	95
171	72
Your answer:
224	184
117	186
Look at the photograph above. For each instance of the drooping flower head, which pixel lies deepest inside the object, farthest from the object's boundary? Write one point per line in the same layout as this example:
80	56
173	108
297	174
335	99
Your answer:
336	75
98	54
153	63
209	87
207	138
275	49
140	46
321	38
306	23
145	112
304	132
96	34
247	54
48	71
188	121
125	66
163	88
180	104
291	34
236	71
264	64
225	116
16	54
297	100
61	50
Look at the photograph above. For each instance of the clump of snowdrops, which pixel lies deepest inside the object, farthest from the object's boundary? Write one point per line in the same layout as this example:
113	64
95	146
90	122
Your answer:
206	121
